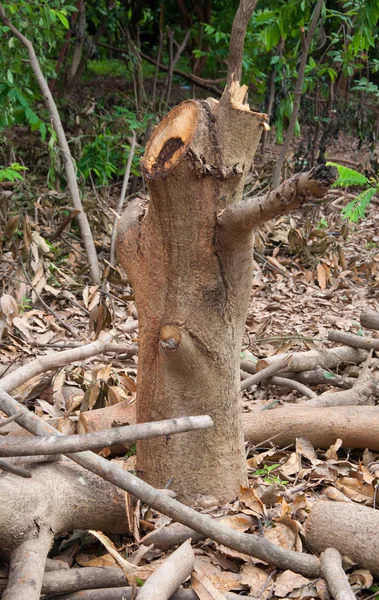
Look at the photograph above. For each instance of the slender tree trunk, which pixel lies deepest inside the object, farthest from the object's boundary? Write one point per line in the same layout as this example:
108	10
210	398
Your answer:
240	23
271	96
79	42
306	42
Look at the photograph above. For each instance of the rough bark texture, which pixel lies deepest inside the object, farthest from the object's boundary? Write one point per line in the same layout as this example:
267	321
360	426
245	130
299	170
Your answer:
352	529
335	576
192	286
370	319
188	255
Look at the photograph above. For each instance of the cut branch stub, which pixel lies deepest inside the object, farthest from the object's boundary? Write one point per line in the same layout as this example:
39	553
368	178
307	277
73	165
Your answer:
192	288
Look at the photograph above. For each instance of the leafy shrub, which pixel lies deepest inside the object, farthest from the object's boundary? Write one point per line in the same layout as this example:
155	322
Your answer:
356	209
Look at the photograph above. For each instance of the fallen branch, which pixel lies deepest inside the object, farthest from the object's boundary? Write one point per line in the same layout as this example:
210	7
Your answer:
369	319
355	341
246	543
291	194
54	360
266	373
56	444
356	427
328	359
68	161
169	575
286	382
27	564
350	528
126	594
335	576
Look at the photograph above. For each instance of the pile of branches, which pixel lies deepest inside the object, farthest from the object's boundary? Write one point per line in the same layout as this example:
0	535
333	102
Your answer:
44	494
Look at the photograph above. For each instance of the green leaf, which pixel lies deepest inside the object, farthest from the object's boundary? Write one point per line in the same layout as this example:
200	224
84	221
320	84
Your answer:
10	76
63	19
328	375
347	176
356	209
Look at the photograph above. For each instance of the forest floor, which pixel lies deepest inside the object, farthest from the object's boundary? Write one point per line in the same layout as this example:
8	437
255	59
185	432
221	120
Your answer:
312	272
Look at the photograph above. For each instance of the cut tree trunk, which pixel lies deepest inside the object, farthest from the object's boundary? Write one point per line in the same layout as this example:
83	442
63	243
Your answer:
188	254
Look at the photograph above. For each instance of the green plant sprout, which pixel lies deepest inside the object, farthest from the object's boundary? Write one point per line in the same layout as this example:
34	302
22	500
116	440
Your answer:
12	173
267	475
356	209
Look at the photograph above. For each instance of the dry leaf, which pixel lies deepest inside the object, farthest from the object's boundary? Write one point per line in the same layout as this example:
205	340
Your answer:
305	448
355	489
361	579
288	581
255	579
249	498
331	453
204	588
292	466
321	276
224	581
91	560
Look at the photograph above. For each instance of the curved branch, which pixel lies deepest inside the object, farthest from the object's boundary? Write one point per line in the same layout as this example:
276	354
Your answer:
237	39
250	213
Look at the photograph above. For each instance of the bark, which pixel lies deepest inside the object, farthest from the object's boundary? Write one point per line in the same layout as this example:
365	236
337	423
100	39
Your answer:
328	359
79	41
356	427
306	42
51	500
350	528
357	396
320	376
237	38
93	441
68	161
169	575
191	272
335	576
355	341
370	319
245	543
302	389
27	565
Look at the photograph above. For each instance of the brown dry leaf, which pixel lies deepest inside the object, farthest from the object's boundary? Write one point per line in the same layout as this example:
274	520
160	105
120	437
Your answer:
240	523
256	460
355	489
23	326
292	466
116	395
255	579
305	448
331	453
249	498
8	308
103	372
91	560
224	581
128	382
322	589
58	383
321	276
361	579
367	476
288	581
204	588
285	531
66	426
11	226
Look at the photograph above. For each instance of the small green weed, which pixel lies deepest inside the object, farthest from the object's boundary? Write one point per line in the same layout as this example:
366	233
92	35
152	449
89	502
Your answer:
267	475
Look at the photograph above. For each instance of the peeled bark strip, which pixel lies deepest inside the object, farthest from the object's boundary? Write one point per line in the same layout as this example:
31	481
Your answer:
370	319
169	575
355	341
357	427
93	441
350	528
335	576
191	272
329	359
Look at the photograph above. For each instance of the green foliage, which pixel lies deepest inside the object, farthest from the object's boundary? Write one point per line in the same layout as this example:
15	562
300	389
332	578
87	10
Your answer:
12	173
267	475
356	209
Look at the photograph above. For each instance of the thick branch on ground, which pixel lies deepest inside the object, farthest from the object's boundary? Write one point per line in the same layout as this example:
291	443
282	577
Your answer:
328	359
335	576
356	427
355	341
370	319
93	441
68	161
350	528
169	575
54	360
250	367
126	594
27	561
237	39
246	543
294	192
